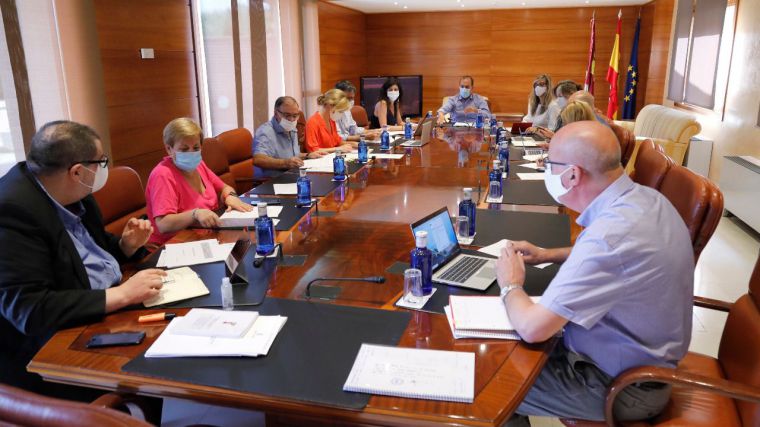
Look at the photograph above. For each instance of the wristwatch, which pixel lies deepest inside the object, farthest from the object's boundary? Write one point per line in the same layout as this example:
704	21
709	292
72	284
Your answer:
507	289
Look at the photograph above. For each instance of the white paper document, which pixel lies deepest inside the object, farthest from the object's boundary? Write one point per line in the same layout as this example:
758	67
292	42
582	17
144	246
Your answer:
530	166
192	253
532	157
479	313
285	189
205	322
179	284
524	141
245	219
256	342
494	249
388	156
538	176
459	334
413	373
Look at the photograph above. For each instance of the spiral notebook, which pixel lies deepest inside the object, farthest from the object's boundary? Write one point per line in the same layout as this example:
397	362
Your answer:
413	373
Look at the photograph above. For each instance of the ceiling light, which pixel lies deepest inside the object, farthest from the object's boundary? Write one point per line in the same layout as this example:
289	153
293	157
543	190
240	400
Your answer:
462	5
395	3
587	2
405	6
523	3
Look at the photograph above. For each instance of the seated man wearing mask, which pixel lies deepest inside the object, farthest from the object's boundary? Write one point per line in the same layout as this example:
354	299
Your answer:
623	295
275	143
347	127
464	102
58	265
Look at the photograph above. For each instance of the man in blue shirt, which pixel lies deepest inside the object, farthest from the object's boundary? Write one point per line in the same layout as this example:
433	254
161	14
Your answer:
275	143
623	295
464	102
58	265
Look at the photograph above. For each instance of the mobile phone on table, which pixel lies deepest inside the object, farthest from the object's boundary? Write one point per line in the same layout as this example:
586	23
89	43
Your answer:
118	338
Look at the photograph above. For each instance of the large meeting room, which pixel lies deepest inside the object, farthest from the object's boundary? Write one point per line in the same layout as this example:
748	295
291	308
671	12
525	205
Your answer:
485	213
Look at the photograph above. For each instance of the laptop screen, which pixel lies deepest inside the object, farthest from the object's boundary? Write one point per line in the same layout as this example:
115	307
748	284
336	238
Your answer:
442	240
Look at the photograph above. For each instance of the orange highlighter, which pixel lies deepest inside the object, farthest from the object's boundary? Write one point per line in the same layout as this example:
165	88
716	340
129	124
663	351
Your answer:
157	317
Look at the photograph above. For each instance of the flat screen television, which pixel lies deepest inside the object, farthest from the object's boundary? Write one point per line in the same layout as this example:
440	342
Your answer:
411	87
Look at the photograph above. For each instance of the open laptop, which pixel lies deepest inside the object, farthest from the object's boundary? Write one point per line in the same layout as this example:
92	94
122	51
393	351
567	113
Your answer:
423	131
450	266
234	262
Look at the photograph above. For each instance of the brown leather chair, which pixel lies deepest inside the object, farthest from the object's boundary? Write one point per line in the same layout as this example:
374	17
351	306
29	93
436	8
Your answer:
22	408
238	144
651	165
627	142
706	391
698	200
216	159
301	131
122	198
360	116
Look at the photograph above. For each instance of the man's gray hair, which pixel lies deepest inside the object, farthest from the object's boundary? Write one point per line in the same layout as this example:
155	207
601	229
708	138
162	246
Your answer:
345	86
59	145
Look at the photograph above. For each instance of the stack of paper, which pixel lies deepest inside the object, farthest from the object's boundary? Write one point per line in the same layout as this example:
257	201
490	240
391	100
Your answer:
415	373
256	341
524	141
495	250
539	176
179	284
192	253
479	317
234	218
204	322
285	189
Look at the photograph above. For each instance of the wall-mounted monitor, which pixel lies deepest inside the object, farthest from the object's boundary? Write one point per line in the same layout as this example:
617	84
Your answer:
411	87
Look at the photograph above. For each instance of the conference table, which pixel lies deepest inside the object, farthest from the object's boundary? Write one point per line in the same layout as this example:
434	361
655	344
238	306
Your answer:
360	229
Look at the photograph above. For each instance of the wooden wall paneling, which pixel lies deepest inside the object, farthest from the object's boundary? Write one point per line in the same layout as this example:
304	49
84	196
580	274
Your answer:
662	21
342	45
143	95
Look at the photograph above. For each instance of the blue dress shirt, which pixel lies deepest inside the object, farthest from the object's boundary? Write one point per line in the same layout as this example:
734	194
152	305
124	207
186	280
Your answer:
458	104
627	286
272	140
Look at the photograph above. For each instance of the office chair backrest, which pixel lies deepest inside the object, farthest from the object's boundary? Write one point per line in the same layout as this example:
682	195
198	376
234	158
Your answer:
301	129
739	353
651	165
697	200
360	116
216	159
22	408
122	198
627	141
238	144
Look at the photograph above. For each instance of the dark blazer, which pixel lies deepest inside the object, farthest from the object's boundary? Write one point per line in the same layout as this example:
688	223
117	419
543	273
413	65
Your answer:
43	283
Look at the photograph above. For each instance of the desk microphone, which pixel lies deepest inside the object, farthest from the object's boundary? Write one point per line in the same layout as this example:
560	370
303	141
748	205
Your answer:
259	261
372	279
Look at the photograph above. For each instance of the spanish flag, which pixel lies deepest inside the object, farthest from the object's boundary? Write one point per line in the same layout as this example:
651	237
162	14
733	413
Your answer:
612	72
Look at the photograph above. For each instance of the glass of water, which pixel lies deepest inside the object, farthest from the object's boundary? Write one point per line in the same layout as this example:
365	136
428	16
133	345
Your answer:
413	286
494	190
463	227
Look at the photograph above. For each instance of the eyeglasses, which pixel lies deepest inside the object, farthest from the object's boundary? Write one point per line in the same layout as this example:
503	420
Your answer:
549	164
103	163
291	117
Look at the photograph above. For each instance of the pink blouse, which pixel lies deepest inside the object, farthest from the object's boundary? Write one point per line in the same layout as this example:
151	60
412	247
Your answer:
168	192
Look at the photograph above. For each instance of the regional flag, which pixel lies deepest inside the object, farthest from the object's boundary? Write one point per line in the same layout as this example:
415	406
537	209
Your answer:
588	85
612	71
632	76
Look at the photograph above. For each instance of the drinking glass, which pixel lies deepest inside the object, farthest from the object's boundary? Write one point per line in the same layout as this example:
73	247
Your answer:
463	227
413	286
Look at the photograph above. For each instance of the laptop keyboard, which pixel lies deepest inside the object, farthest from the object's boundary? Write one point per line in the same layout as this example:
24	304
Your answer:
463	269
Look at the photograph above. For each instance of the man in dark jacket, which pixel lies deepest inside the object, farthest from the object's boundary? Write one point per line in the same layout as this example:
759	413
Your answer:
58	265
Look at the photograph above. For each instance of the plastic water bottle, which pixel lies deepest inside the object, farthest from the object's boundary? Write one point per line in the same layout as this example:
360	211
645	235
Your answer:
422	259
494	181
408	128
339	167
304	188
494	126
363	152
228	303
385	139
467	208
504	156
479	121
264	231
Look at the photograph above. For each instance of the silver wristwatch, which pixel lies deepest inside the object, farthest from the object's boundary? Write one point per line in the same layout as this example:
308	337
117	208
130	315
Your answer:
507	289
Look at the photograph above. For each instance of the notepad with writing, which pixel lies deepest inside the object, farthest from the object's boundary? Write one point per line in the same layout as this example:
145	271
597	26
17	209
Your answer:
180	284
413	373
476	313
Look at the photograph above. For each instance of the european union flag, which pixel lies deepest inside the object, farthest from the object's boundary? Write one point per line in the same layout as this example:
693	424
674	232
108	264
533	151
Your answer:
632	76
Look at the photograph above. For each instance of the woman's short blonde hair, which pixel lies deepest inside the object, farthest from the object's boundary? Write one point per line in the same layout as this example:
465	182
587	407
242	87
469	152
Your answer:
335	98
181	128
577	111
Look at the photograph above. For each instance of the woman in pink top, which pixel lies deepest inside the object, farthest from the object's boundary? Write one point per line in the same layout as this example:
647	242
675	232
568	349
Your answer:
182	191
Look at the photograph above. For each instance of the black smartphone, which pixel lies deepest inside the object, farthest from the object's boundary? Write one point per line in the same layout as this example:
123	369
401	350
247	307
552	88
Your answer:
118	338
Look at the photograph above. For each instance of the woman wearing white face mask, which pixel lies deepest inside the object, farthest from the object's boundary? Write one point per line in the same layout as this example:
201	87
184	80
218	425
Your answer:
321	129
562	91
538	101
182	191
388	108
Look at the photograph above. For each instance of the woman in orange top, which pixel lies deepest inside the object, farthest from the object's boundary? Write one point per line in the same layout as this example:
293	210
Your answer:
321	130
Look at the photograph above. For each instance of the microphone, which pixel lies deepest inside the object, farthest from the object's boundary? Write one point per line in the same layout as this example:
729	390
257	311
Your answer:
257	262
371	279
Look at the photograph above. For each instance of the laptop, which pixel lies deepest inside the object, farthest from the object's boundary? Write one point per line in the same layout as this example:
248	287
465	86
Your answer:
520	128
423	131
234	262
450	265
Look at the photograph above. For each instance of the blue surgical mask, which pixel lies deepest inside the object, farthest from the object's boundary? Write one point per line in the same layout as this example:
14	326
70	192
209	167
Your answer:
187	160
464	92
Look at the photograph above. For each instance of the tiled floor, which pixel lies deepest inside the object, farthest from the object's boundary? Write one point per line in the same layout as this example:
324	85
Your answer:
723	273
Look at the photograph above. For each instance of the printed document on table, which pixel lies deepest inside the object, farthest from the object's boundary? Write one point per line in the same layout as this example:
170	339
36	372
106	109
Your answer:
235	218
179	284
479	313
285	189
539	176
388	156
524	141
205	322
192	253
414	373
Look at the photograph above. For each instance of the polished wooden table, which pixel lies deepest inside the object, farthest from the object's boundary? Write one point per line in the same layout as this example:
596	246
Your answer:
359	230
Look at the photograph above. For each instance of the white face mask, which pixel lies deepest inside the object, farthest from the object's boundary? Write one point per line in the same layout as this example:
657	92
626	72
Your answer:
392	95
335	116
288	125
351	103
553	183
561	101
101	176
539	90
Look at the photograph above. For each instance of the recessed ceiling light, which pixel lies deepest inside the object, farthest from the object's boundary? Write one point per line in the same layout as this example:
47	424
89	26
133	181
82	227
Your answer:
523	3
462	4
395	3
405	6
587	1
